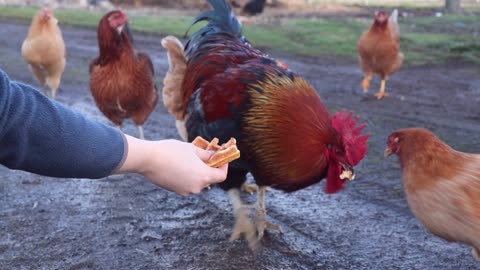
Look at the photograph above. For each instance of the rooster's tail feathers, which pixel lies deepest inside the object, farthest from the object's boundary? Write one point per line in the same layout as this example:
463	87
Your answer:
221	17
220	20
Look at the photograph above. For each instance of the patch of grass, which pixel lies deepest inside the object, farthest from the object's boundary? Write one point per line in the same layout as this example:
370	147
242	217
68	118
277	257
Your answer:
153	24
308	37
423	39
428	39
375	3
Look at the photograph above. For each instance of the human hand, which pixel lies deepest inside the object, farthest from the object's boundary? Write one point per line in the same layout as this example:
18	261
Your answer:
171	164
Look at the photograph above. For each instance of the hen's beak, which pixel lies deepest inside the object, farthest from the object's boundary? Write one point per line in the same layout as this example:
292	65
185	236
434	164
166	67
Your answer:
388	152
347	172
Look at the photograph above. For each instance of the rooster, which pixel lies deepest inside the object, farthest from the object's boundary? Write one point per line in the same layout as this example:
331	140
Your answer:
442	185
286	135
44	50
379	50
122	79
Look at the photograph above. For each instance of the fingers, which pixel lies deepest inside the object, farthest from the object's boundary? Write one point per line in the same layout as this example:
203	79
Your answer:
204	155
216	175
219	174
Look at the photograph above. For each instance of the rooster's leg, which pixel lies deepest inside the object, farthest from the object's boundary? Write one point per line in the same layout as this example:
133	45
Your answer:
366	82
381	94
243	224
261	217
476	253
250	189
140	132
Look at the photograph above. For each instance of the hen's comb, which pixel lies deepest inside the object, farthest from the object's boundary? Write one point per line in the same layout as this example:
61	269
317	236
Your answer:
356	145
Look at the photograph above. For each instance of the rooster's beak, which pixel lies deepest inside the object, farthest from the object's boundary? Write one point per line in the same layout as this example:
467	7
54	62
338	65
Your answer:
348	173
388	152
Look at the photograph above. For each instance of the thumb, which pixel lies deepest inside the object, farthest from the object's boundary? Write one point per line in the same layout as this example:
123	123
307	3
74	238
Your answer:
219	174
204	155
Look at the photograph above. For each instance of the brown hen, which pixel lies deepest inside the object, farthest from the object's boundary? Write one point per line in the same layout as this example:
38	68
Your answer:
44	50
122	79
379	50
442	185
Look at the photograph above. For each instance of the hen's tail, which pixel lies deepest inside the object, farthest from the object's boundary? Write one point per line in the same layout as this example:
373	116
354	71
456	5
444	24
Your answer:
393	24
172	83
221	22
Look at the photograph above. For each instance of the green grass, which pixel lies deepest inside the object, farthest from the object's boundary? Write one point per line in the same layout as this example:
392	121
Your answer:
154	24
423	39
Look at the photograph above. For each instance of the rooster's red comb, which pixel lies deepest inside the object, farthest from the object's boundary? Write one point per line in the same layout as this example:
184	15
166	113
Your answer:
356	145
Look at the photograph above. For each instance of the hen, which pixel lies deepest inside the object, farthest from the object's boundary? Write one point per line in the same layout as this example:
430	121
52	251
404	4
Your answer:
379	50
442	185
172	83
44	50
287	138
122	79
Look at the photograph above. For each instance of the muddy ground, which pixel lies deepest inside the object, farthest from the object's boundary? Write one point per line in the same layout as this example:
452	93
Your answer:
124	222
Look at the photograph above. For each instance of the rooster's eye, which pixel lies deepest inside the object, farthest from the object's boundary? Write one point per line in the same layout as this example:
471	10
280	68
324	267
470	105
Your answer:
329	146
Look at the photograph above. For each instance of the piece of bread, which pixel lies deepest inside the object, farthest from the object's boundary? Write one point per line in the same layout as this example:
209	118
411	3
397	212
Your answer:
223	154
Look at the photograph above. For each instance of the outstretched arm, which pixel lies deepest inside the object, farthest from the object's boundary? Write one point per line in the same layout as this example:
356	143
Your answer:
42	136
174	165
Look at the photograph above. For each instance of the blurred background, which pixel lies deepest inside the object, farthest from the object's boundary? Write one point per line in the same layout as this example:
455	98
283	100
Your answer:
432	30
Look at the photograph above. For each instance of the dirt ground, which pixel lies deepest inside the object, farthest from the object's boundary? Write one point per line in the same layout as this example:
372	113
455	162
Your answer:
124	222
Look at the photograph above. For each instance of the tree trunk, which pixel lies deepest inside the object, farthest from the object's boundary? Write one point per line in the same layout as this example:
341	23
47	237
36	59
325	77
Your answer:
452	6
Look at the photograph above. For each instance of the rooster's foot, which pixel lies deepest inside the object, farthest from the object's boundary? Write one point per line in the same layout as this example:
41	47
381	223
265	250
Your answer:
250	189
261	215
263	224
244	226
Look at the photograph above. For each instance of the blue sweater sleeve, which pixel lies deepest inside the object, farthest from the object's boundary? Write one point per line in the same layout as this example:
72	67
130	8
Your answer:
42	136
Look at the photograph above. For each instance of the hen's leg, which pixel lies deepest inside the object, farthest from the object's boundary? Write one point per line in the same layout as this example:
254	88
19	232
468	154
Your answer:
140	132
243	224
40	74
381	94
261	215
366	82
